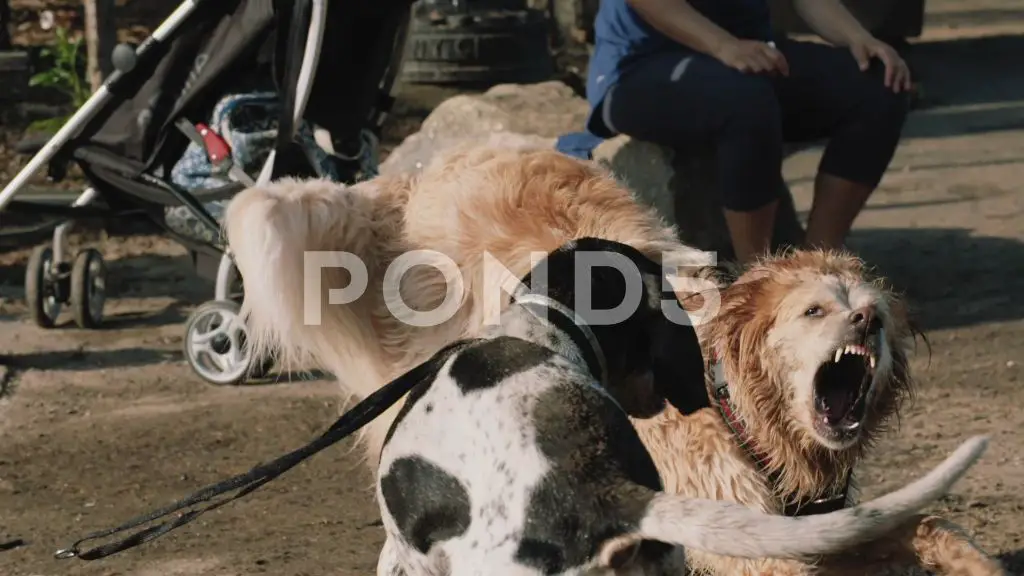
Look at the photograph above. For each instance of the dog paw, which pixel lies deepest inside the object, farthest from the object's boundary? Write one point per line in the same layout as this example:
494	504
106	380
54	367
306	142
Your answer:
947	550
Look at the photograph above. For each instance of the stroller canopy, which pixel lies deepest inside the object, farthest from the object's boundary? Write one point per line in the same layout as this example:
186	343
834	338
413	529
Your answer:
235	45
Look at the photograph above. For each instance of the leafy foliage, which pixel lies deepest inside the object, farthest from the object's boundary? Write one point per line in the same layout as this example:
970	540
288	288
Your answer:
64	74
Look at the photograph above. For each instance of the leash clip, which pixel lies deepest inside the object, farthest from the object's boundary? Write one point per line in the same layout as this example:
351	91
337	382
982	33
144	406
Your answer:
721	385
65	553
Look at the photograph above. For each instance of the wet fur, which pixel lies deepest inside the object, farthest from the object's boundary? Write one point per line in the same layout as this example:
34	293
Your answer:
700	456
509	438
510	203
478	200
760	375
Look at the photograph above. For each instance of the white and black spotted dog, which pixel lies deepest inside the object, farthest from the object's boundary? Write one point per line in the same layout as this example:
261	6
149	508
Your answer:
513	455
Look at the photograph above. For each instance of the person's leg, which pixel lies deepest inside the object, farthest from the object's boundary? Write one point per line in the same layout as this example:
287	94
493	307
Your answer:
687	101
837	202
5	25
826	94
751	230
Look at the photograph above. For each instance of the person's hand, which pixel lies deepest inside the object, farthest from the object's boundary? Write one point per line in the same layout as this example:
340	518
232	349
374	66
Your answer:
751	56
897	74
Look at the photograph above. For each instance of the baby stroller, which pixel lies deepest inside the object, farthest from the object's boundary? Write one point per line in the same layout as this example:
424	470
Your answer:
275	82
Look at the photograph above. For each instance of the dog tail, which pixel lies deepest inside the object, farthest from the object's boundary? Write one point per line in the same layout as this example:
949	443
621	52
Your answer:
287	238
730	529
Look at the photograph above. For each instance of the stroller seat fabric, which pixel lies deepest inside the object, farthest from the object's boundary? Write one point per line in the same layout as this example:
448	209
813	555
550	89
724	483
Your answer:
248	123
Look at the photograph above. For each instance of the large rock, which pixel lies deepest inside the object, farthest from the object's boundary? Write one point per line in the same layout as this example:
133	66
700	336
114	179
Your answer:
507	115
681	188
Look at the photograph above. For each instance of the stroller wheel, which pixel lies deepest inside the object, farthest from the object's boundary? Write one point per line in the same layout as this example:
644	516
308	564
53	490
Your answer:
42	292
88	288
215	345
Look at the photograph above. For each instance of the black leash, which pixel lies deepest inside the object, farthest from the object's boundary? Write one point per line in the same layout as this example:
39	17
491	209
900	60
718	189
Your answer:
360	415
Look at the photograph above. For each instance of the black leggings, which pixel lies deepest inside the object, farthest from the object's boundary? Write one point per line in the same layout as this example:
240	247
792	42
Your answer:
689	101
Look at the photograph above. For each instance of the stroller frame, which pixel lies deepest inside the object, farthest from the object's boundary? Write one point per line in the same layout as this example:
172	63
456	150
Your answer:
215	332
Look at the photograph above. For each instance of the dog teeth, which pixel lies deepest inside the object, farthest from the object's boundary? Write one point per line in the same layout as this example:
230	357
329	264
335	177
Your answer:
850	426
871	361
850	349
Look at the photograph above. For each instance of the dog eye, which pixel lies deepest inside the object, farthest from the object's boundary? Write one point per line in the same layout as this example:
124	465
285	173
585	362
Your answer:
814	311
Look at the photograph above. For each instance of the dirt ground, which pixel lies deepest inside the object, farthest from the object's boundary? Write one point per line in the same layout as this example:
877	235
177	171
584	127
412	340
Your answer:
97	427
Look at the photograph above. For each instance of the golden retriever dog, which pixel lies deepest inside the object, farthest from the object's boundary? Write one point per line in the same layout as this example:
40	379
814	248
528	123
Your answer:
809	354
808	366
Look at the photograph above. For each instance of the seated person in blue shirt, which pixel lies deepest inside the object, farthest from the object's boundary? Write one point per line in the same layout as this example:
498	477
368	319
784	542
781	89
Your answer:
689	74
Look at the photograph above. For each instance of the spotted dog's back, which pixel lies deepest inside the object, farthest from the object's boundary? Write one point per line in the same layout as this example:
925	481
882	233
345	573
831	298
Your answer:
512	460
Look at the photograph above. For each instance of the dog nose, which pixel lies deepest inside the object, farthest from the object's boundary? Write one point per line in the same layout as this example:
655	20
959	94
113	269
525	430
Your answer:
864	318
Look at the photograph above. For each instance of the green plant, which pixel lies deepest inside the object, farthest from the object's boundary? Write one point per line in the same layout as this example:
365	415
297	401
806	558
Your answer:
63	75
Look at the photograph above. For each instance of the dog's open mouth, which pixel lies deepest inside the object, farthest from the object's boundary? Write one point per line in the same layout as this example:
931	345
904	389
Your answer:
840	389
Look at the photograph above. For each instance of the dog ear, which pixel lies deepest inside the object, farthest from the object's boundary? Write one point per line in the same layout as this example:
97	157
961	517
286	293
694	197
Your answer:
677	363
619	552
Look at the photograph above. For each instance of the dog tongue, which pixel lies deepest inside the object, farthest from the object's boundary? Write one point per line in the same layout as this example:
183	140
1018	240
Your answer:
838	402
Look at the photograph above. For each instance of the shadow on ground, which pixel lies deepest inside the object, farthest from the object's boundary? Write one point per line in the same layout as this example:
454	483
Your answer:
139	277
290	377
1013	562
81	359
971	75
175	313
20	230
950	277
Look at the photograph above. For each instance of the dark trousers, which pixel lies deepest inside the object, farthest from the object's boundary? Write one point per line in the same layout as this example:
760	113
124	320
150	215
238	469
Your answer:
690	102
5	25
